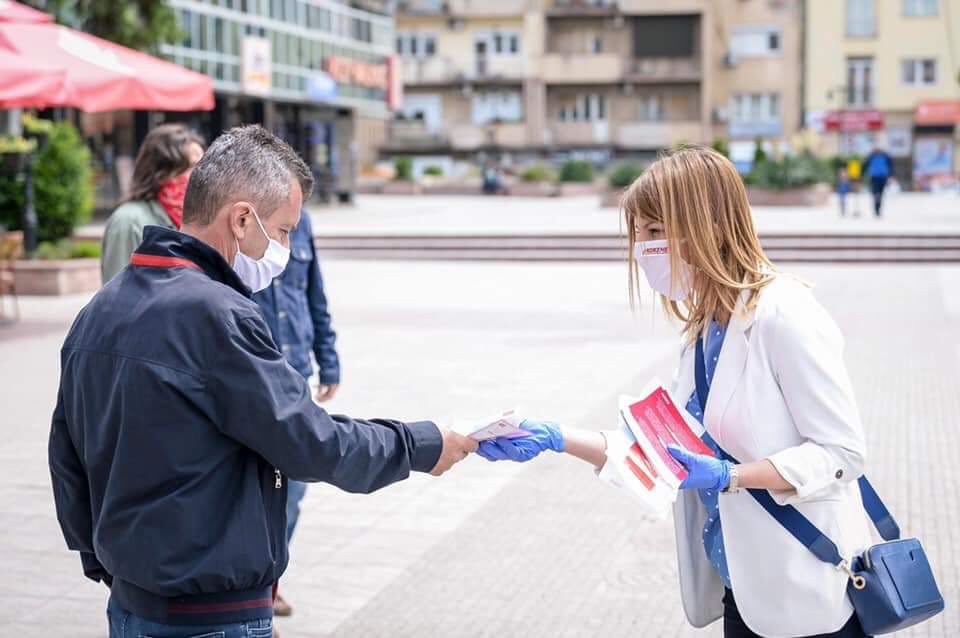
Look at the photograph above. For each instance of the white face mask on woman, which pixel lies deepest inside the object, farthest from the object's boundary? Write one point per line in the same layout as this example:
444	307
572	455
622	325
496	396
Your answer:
654	258
258	273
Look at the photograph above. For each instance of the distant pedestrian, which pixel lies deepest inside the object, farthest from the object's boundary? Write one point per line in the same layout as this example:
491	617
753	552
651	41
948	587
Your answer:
295	308
160	178
878	169
843	189
854	173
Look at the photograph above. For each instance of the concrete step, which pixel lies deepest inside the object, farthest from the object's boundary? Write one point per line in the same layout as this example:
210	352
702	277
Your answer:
915	248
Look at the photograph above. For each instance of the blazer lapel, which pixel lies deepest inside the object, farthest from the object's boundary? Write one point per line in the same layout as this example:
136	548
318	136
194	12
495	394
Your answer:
730	366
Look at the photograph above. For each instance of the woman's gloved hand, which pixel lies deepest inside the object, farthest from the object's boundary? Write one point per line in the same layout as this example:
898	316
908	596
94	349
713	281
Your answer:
543	436
706	472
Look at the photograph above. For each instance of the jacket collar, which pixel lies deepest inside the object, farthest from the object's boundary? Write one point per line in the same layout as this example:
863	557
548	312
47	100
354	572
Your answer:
166	242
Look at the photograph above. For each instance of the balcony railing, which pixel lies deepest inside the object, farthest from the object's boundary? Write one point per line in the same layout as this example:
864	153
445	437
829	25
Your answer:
661	70
579	8
662	134
581	68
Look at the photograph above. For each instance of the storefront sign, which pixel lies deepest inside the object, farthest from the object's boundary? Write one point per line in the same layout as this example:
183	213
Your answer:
256	69
938	113
853	121
349	71
395	80
932	162
321	87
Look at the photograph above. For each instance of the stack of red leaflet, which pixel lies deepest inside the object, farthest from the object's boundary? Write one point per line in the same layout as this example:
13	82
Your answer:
638	459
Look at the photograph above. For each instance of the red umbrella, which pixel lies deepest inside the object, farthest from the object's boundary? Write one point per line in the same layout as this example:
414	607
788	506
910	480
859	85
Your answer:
16	12
25	88
100	75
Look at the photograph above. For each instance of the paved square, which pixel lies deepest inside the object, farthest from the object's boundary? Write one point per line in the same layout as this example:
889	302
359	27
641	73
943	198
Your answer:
441	557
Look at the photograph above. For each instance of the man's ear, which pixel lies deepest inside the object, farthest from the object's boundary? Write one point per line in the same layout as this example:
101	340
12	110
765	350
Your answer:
239	218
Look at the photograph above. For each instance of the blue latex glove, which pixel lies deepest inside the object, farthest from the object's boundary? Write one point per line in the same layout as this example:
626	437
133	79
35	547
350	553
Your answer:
543	436
706	472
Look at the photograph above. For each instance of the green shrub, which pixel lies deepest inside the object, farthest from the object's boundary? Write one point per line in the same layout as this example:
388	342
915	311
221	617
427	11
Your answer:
67	249
434	171
624	174
576	171
62	182
403	169
721	146
795	171
536	174
759	155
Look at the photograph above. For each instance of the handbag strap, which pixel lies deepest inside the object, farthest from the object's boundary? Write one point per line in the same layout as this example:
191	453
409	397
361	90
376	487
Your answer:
788	516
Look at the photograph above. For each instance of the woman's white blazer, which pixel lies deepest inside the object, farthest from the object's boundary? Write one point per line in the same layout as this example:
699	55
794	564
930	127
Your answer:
780	392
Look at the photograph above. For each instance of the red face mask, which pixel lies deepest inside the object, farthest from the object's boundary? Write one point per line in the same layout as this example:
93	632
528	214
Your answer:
171	196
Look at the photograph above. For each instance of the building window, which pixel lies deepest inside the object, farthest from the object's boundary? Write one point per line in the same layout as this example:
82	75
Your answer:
496	106
859	82
755	107
497	43
595	43
919	72
591	107
417	45
861	19
921	8
752	42
651	109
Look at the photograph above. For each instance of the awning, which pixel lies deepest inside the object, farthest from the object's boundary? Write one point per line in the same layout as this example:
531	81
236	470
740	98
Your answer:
937	113
30	87
99	75
16	12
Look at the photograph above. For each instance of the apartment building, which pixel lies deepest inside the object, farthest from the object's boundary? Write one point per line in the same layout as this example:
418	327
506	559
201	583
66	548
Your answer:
887	73
601	79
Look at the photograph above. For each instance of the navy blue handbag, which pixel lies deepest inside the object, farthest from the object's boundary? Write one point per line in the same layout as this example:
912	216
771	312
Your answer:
891	584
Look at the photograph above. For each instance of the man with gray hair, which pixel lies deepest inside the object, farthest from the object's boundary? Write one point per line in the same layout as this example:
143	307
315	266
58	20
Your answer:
178	421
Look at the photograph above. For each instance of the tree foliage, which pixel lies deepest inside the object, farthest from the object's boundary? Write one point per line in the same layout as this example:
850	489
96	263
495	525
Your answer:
139	24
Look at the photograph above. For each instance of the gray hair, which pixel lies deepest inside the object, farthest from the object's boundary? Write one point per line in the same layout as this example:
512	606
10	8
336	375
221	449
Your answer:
245	163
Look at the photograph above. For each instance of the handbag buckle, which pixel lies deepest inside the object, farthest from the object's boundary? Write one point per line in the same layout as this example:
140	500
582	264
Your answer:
859	582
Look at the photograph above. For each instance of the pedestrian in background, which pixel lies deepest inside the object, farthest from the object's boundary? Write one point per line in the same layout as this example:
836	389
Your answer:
843	189
878	169
295	308
160	178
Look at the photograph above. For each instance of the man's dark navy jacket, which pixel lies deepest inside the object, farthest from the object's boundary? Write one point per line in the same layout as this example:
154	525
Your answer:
177	420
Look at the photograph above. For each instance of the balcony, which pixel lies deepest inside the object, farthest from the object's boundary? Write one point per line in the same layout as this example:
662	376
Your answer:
659	7
581	68
582	8
423	7
408	135
429	71
580	133
647	135
664	70
455	9
466	137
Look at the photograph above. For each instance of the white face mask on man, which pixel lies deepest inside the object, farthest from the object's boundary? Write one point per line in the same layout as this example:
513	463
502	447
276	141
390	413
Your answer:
654	258
258	273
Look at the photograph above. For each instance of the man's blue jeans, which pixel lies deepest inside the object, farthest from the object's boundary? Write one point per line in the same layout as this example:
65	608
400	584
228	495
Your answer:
123	624
295	492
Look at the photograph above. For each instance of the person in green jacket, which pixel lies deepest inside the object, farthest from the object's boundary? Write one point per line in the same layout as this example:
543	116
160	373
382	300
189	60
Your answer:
160	177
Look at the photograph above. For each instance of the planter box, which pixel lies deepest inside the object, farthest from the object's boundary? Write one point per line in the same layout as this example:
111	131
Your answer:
401	188
576	189
533	189
610	198
57	277
817	195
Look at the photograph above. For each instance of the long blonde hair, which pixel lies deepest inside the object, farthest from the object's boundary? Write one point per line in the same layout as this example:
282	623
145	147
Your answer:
699	198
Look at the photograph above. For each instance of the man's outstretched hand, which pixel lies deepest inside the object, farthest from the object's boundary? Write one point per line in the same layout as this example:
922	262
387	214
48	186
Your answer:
456	447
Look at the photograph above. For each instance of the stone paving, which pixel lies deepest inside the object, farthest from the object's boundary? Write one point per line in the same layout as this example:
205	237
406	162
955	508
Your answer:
541	549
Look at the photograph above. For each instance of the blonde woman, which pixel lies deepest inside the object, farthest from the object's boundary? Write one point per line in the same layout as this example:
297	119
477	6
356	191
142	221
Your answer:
777	398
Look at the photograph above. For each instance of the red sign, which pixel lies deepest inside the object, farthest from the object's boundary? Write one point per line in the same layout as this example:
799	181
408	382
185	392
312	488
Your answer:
347	71
395	80
853	121
938	113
